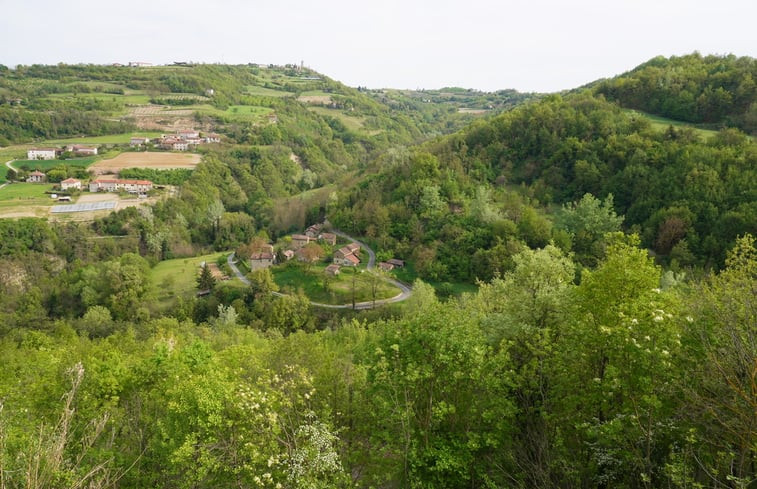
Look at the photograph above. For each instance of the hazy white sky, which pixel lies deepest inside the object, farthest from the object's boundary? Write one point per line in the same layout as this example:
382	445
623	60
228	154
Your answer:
530	45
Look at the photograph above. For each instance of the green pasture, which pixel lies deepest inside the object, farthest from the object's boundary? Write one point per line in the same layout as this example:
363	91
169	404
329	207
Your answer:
266	92
43	165
315	93
178	277
25	194
294	276
234	112
98	85
662	123
350	122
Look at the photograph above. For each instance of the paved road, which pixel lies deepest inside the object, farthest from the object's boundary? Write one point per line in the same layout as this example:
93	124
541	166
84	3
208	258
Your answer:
403	295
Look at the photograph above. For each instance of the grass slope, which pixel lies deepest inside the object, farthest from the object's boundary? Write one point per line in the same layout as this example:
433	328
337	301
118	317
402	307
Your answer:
177	278
293	276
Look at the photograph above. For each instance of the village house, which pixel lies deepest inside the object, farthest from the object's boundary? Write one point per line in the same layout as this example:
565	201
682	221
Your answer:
80	150
299	240
385	266
313	231
346	256
188	134
332	270
36	177
173	143
353	247
42	153
288	254
328	238
117	185
396	263
138	141
212	137
70	183
261	260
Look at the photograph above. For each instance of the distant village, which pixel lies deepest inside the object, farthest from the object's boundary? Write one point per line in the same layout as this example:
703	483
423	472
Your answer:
183	140
262	255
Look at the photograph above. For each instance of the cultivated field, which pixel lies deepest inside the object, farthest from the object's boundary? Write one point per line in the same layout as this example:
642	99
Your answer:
158	161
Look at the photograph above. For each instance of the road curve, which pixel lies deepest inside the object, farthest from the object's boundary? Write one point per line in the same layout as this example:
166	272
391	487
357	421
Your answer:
405	293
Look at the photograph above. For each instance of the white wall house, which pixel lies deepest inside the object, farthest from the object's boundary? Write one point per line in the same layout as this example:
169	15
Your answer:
116	185
70	183
41	153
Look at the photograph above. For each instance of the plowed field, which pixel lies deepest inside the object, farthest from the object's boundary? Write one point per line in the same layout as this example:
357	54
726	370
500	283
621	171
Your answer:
144	159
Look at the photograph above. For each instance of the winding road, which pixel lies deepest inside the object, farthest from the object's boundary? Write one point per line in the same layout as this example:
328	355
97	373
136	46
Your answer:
8	164
403	295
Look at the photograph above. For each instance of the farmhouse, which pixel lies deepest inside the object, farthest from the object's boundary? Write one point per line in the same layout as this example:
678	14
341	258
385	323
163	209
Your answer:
42	153
116	185
332	269
299	240
328	238
36	177
70	183
173	143
346	256
313	231
138	141
188	134
80	150
261	260
211	137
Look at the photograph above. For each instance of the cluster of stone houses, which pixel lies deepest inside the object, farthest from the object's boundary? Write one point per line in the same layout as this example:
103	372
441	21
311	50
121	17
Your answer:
52	153
183	140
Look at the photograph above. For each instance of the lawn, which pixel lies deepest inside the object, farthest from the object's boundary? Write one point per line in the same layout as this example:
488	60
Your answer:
293	276
26	194
43	165
177	278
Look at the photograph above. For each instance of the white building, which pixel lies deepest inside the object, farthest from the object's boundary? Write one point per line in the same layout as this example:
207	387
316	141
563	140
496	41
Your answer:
81	150
116	185
70	183
42	153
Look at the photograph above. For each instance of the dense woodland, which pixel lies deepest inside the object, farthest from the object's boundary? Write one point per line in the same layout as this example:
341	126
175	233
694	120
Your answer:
611	340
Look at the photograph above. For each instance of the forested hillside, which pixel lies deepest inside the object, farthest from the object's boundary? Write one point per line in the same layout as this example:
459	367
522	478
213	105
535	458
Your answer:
582	311
718	90
476	197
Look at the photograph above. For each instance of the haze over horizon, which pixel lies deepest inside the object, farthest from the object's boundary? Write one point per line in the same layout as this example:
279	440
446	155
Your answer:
541	46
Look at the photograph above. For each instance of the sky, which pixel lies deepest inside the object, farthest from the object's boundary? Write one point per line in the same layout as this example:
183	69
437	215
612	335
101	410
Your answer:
528	45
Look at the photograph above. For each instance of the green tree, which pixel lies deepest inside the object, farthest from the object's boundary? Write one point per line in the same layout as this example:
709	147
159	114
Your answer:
205	281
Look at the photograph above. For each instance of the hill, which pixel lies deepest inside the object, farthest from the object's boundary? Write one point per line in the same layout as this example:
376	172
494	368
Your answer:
715	90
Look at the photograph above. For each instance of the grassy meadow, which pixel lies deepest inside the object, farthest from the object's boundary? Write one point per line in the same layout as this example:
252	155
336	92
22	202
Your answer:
43	165
25	194
177	277
319	287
